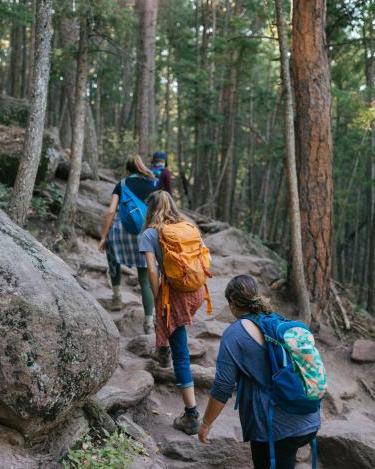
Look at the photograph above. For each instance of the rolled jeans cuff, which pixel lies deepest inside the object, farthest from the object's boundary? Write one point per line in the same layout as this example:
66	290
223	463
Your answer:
185	385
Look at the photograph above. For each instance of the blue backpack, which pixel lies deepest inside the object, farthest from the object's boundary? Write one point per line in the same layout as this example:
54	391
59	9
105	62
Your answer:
299	380
132	210
157	172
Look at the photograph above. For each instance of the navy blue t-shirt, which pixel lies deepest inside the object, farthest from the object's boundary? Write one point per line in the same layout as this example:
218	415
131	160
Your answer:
240	356
141	186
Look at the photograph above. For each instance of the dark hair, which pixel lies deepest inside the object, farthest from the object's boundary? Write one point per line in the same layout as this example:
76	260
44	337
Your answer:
242	292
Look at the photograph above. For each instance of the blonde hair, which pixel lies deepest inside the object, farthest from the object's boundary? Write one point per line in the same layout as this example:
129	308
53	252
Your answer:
135	164
162	210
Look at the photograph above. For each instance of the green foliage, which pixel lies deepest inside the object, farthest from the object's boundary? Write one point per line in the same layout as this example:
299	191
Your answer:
16	13
118	149
5	193
115	451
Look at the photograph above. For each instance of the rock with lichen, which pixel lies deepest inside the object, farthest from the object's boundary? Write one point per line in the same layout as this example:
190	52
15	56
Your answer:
57	344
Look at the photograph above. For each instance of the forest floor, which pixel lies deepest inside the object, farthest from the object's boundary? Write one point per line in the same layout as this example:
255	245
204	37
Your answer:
348	409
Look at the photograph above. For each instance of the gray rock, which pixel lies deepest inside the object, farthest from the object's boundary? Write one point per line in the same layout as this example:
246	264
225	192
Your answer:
347	444
197	348
58	345
203	376
11	151
221	453
363	351
90	215
210	329
63	168
327	337
234	242
65	436
125	389
144	346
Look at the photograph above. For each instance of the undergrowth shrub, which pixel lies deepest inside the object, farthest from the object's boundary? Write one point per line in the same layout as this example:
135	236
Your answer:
110	451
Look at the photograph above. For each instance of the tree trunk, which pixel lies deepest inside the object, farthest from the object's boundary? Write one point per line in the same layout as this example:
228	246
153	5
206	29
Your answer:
15	74
26	175
370	82
147	10
314	145
91	153
67	214
297	274
31	50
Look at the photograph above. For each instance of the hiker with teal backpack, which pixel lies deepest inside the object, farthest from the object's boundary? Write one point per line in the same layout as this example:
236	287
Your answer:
279	375
124	222
159	167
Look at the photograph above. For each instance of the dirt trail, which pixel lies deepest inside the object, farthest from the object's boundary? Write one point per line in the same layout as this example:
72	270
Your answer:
155	409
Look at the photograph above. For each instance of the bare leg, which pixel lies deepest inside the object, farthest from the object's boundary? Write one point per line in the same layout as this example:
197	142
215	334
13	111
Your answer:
188	396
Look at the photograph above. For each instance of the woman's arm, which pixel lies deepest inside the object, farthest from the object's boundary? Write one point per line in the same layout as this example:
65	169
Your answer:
109	216
213	410
153	273
222	389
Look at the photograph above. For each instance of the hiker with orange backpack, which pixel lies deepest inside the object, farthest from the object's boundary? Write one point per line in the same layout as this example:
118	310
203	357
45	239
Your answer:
279	375
175	246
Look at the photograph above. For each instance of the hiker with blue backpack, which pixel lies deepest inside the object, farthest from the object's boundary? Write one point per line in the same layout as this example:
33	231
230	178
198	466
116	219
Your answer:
123	224
159	167
279	375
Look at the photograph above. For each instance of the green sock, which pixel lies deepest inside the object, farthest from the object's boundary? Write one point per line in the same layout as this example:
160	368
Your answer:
146	292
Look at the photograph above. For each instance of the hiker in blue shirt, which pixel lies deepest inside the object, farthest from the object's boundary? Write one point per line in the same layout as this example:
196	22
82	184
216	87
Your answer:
121	246
243	360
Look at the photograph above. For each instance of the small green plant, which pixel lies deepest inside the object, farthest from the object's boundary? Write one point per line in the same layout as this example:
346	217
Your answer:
111	451
5	192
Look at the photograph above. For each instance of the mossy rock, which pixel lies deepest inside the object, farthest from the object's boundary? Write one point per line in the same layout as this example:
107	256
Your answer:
13	111
11	150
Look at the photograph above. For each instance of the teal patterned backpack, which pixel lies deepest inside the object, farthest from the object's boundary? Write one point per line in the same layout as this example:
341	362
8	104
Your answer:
299	379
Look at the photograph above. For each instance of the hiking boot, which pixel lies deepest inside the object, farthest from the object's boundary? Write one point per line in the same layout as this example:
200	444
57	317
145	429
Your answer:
116	304
148	325
164	357
188	424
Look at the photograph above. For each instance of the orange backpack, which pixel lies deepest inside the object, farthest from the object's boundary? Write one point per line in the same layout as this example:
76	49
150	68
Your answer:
186	261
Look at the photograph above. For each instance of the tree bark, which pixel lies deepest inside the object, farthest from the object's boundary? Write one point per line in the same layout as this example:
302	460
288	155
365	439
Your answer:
370	82
91	153
297	269
147	10
27	171
314	145
15	74
67	214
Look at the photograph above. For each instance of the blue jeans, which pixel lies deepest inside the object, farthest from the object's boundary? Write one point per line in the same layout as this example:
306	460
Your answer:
181	358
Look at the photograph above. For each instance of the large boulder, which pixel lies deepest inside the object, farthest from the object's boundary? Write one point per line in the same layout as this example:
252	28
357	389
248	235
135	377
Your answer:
57	346
11	151
347	443
234	242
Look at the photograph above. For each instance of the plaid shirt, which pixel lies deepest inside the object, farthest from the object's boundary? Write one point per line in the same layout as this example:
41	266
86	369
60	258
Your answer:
123	246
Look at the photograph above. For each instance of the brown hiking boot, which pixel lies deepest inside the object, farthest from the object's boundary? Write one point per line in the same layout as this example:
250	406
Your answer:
188	424
164	357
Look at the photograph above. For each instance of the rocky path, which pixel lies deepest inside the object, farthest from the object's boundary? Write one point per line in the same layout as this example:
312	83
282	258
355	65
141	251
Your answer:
144	395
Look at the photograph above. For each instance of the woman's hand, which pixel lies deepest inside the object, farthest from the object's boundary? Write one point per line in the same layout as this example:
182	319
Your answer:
102	245
203	433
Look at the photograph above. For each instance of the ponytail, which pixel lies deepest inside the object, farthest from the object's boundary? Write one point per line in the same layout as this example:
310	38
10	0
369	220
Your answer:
135	165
